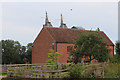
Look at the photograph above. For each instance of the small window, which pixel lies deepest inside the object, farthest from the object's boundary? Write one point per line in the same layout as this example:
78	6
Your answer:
68	49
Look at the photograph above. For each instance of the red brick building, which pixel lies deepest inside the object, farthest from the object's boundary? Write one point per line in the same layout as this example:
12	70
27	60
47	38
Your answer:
58	39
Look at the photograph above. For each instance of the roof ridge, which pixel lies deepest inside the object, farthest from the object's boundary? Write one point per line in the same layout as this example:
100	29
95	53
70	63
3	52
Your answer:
71	29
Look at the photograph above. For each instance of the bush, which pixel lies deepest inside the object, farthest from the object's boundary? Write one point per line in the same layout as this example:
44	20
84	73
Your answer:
114	59
52	56
112	70
104	70
76	71
90	71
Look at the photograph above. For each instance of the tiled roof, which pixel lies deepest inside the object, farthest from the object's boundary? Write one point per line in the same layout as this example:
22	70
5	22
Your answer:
67	35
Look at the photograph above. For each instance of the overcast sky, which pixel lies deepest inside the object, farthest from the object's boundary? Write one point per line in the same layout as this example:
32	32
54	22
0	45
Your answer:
23	21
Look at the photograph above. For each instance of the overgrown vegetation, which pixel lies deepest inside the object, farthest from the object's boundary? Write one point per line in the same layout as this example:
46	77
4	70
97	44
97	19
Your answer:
77	71
103	70
52	56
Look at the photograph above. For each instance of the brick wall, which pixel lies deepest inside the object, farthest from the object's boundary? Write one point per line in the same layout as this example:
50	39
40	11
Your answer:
41	47
112	52
62	48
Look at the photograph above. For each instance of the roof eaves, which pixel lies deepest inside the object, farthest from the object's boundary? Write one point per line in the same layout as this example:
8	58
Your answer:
108	38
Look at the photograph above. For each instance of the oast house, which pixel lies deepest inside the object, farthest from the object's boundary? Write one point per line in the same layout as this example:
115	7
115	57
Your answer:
60	40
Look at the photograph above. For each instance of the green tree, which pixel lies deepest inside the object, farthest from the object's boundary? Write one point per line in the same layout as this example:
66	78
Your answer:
116	58
29	52
13	52
90	44
10	52
117	47
23	54
52	57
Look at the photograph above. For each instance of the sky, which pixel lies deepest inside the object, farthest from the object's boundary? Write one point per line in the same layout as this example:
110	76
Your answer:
23	21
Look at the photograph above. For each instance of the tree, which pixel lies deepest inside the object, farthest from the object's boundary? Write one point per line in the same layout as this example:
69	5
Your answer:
13	52
29	52
10	52
116	58
23	54
117	47
52	56
90	44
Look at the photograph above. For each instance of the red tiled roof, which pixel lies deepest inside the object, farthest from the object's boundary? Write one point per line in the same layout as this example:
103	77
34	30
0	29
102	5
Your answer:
67	35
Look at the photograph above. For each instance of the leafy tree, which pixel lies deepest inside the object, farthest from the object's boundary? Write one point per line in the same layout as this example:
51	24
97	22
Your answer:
13	52
90	44
116	58
29	52
10	52
117	47
52	56
23	54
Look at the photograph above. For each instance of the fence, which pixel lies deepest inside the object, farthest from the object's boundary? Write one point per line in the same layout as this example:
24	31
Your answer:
3	69
36	70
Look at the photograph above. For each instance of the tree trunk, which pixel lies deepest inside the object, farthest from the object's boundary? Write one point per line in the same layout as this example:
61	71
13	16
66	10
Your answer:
76	58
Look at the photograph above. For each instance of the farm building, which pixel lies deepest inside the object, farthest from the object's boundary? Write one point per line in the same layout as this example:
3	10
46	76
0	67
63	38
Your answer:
58	39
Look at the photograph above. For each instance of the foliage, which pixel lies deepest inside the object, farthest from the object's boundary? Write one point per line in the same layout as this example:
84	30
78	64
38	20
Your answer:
64	66
90	44
10	51
89	72
52	56
114	59
112	70
13	52
103	70
117	47
29	52
76	71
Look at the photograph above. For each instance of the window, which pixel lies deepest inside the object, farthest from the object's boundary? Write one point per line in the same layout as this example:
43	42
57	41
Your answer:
68	49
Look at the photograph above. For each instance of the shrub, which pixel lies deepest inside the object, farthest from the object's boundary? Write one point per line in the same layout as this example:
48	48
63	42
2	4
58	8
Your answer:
90	71
52	56
112	70
64	66
76	71
114	59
